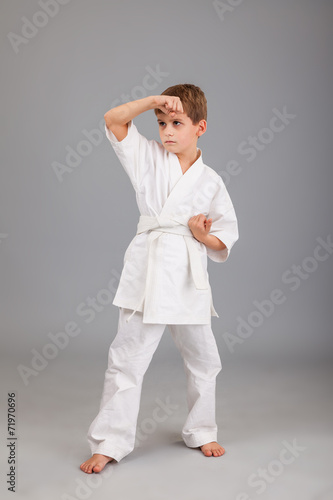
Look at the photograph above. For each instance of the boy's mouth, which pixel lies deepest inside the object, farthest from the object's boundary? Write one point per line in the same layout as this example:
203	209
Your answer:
169	142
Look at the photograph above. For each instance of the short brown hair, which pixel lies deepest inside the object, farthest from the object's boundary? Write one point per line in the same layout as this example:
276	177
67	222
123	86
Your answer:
193	100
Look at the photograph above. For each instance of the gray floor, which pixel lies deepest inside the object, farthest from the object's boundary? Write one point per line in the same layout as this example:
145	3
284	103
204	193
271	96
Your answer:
262	408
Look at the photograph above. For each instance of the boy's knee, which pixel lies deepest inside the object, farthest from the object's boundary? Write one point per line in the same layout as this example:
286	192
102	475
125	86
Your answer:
215	364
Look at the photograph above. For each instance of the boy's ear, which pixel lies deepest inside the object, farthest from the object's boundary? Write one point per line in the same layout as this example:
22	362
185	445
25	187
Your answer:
202	127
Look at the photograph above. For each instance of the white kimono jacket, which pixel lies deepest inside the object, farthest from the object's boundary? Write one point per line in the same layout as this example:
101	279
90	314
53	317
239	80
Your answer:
165	268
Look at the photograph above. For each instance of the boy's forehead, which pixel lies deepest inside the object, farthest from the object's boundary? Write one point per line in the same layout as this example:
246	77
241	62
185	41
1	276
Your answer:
164	116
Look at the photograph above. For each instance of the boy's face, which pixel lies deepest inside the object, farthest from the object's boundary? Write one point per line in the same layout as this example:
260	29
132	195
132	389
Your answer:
177	132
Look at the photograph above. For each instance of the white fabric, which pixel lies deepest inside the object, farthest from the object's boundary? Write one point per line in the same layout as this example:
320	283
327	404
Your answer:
168	225
161	271
113	431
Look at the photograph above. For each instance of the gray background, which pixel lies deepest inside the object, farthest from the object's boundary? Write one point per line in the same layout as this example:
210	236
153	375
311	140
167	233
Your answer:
62	242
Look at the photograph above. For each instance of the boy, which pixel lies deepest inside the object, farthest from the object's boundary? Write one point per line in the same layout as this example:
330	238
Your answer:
165	280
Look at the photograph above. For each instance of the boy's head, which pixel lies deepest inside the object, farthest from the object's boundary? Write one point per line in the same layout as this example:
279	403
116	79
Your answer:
193	100
179	132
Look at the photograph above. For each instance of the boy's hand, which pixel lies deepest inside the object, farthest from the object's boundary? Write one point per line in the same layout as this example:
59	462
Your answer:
170	105
200	226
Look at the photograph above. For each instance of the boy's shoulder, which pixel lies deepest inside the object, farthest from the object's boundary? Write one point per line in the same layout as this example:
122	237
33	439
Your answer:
210	172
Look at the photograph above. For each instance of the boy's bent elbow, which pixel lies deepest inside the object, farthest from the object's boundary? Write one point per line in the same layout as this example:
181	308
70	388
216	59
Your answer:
108	119
119	131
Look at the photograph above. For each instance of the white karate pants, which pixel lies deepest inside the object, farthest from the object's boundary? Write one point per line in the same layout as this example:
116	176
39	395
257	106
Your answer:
113	431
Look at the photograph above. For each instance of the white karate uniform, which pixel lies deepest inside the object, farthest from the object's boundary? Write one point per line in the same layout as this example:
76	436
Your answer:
165	268
113	431
164	282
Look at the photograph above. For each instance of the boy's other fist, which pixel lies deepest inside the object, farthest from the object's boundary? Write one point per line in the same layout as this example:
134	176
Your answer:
200	226
170	105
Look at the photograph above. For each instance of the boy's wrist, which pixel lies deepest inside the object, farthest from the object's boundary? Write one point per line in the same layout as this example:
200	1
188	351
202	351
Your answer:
211	241
152	101
144	104
148	102
205	239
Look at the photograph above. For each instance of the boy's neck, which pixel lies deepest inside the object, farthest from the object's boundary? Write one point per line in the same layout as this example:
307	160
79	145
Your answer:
187	158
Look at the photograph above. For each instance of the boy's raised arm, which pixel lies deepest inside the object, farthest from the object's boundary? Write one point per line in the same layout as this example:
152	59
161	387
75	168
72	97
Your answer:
116	119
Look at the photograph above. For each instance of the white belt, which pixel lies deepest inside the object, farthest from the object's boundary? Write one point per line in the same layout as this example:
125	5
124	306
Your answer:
158	225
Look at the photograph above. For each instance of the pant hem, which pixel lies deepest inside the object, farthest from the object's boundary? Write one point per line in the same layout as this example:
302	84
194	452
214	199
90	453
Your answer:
109	451
199	439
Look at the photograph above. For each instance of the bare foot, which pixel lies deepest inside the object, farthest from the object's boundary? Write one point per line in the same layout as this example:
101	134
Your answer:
95	464
212	449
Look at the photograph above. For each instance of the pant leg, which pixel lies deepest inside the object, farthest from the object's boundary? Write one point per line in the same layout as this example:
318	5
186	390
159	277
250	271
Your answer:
202	363
112	432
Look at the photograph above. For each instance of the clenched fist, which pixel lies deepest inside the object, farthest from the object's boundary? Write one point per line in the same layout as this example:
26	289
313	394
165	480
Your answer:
170	105
200	226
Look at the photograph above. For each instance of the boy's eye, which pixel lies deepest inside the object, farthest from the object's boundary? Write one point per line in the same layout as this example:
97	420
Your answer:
176	122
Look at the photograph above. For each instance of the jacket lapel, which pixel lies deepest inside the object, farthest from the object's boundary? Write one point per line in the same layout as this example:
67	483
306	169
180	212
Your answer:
179	199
